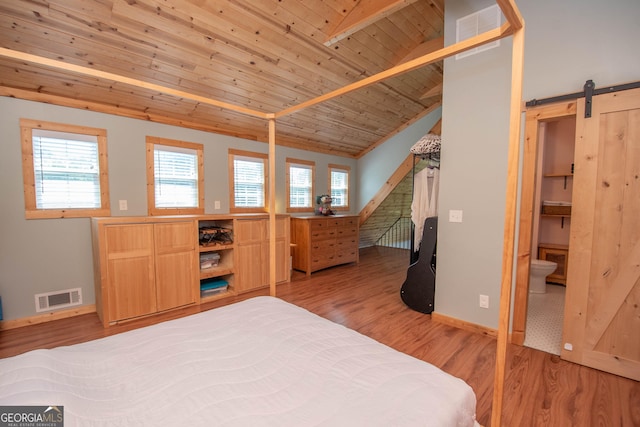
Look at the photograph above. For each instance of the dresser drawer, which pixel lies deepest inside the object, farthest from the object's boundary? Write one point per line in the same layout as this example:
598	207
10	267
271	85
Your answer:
322	260
318	224
346	232
347	243
345	256
323	234
346	222
322	246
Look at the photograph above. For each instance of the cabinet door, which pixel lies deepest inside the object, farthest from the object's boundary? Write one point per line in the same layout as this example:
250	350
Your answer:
283	251
252	254
175	264
130	273
300	237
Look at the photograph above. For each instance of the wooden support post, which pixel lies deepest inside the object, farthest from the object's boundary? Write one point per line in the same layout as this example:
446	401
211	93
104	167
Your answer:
272	205
515	120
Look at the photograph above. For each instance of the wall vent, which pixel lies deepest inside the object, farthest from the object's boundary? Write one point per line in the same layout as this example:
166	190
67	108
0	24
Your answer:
58	299
478	23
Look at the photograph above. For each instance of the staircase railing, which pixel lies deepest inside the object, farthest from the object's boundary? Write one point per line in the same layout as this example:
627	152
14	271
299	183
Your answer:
398	235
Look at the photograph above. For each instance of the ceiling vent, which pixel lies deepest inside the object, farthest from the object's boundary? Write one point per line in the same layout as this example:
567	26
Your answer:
58	299
478	23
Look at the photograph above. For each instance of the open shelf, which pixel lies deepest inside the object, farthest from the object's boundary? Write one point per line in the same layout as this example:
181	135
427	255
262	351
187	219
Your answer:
213	248
223	245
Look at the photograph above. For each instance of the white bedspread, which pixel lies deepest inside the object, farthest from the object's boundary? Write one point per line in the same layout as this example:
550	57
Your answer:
261	362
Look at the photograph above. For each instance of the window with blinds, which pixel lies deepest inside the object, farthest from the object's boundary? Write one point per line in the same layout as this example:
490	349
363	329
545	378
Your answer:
249	174
175	177
339	186
176	186
300	179
65	170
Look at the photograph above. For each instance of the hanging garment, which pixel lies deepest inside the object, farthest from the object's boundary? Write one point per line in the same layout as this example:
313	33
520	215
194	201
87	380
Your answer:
425	201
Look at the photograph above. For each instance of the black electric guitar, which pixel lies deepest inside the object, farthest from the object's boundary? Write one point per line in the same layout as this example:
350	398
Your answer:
418	290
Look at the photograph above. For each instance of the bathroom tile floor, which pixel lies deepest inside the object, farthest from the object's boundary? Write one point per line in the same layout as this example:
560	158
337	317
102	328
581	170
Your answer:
544	320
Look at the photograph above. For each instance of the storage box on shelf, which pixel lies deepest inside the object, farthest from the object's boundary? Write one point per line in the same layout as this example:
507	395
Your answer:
209	260
213	287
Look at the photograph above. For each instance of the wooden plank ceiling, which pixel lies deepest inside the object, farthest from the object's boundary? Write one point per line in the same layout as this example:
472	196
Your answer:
262	55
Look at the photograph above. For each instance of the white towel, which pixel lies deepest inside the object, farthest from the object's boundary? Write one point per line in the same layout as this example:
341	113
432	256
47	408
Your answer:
425	201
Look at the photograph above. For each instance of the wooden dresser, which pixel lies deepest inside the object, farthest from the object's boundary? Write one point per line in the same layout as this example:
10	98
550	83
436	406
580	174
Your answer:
324	241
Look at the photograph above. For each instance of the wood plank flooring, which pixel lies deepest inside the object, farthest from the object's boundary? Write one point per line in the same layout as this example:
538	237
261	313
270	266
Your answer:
540	388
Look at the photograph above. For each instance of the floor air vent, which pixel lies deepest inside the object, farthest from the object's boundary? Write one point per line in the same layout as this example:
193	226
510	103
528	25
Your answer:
58	299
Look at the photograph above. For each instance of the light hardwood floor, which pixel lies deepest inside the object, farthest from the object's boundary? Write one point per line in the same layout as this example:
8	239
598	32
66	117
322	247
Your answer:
540	389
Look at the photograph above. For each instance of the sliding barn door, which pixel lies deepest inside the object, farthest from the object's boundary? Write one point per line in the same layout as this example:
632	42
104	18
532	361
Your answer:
602	311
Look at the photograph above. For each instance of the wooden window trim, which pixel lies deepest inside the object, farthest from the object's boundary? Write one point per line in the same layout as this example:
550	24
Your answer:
232	202
151	142
289	162
346	169
28	173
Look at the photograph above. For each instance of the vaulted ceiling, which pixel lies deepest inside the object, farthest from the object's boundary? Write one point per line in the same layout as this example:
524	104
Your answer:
183	62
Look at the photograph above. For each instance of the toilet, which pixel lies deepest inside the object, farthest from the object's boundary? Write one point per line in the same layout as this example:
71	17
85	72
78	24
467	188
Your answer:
538	273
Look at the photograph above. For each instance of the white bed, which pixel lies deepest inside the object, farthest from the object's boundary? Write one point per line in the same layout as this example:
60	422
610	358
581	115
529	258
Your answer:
261	362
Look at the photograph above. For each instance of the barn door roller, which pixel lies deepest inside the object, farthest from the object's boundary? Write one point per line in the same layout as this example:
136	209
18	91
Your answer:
588	93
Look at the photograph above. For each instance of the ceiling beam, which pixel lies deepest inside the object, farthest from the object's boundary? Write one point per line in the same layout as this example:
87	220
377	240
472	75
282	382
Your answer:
21	56
118	110
422	49
365	13
434	91
470	43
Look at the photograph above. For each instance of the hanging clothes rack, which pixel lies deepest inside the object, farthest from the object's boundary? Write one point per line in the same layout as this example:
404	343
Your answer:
428	149
418	290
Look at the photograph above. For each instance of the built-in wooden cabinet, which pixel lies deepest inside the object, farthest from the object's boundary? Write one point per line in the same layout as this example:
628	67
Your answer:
321	242
145	265
252	252
175	258
143	268
252	247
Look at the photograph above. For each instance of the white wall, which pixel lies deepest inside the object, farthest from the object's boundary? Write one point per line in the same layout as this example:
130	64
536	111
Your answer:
54	254
566	43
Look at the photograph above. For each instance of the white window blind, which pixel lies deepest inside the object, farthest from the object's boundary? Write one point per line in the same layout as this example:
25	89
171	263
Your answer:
248	178
66	170
339	188
300	186
176	177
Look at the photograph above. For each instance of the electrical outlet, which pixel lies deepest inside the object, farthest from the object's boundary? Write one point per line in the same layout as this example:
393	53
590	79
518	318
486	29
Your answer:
455	216
123	205
216	204
484	301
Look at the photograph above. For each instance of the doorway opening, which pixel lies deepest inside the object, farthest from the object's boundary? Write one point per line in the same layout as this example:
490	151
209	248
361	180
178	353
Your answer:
545	223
